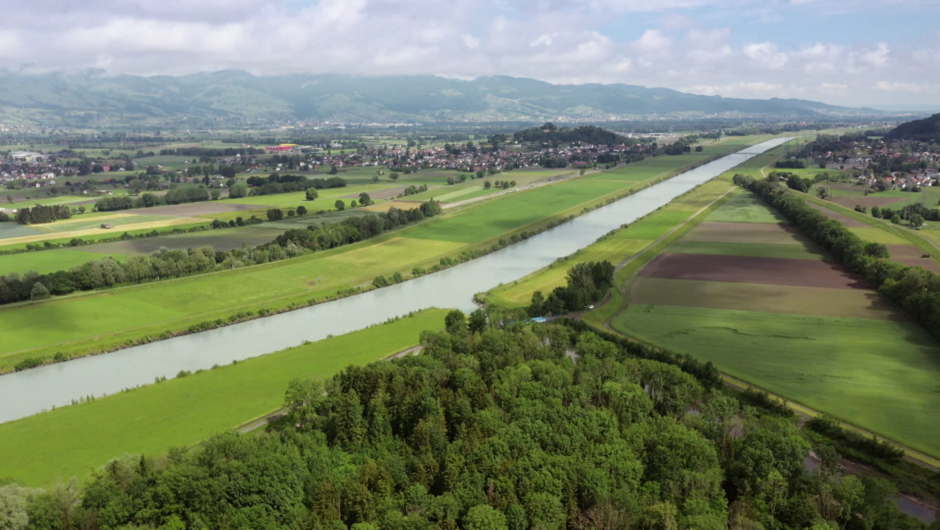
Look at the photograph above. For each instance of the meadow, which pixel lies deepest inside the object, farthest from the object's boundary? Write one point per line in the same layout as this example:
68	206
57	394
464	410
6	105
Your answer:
48	261
880	375
183	411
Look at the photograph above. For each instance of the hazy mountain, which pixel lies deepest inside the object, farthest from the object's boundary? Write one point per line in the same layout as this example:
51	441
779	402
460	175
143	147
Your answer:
925	129
237	96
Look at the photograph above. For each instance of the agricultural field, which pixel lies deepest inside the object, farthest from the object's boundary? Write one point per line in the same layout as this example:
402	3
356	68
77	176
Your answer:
225	239
790	321
48	261
183	411
118	315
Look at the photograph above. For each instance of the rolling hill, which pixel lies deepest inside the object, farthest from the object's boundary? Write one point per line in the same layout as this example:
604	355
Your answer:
927	129
233	96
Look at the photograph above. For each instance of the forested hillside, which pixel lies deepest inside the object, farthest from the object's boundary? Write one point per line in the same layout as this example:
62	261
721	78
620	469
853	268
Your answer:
235	96
541	426
927	129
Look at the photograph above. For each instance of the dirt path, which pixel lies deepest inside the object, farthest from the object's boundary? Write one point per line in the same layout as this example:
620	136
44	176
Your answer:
263	421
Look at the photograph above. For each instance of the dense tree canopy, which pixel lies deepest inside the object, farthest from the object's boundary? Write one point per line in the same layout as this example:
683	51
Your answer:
540	427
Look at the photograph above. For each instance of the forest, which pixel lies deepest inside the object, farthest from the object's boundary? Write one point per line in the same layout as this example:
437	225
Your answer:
588	134
497	425
163	264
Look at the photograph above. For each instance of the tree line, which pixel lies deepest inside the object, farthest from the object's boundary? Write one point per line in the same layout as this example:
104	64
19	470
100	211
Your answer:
42	214
275	184
914	290
165	264
149	200
493	427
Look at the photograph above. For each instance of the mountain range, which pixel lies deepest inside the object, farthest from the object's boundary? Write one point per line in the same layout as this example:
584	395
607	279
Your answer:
238	97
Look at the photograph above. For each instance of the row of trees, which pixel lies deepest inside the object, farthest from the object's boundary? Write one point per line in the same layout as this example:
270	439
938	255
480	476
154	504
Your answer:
164	264
914	290
42	214
493	427
149	200
587	283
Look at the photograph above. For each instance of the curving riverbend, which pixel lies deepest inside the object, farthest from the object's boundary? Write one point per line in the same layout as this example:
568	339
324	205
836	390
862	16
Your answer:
32	391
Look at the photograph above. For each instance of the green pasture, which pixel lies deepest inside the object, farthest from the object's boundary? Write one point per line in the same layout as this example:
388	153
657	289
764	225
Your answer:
165	304
27	203
877	374
757	250
73	441
652	167
167	161
47	261
745	208
876	235
656	224
514	211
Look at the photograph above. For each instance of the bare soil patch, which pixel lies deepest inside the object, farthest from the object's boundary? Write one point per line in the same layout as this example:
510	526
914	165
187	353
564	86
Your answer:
912	256
195	208
747	233
745	269
844	219
867	202
766	298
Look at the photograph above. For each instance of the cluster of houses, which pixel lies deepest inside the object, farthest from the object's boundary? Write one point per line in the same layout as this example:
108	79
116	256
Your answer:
34	168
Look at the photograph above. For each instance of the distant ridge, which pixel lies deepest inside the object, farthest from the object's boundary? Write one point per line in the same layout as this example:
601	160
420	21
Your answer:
233	96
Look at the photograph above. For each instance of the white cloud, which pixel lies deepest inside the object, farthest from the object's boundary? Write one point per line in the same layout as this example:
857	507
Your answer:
766	54
677	43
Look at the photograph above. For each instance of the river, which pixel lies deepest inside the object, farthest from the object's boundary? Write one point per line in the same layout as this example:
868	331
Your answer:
32	391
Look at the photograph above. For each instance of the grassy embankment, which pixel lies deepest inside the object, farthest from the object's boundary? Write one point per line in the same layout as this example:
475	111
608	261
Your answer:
72	441
95	322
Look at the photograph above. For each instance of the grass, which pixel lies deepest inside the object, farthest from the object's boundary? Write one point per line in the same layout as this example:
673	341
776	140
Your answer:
745	208
876	235
103	234
48	261
877	374
72	441
11	230
758	250
226	239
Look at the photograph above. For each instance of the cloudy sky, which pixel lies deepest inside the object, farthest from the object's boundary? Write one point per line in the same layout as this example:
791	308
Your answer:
883	53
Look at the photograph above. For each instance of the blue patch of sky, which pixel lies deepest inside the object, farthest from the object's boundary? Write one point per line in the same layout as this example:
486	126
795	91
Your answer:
791	29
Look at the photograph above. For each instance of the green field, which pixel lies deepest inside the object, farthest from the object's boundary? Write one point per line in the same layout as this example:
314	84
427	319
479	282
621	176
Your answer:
876	374
93	322
116	220
10	229
72	441
514	211
745	208
47	261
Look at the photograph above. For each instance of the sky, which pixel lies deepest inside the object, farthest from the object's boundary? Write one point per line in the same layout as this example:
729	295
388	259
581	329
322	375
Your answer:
878	53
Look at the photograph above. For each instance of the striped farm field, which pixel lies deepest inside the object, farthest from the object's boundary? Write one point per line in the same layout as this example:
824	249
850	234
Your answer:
768	298
751	233
764	305
757	250
749	269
